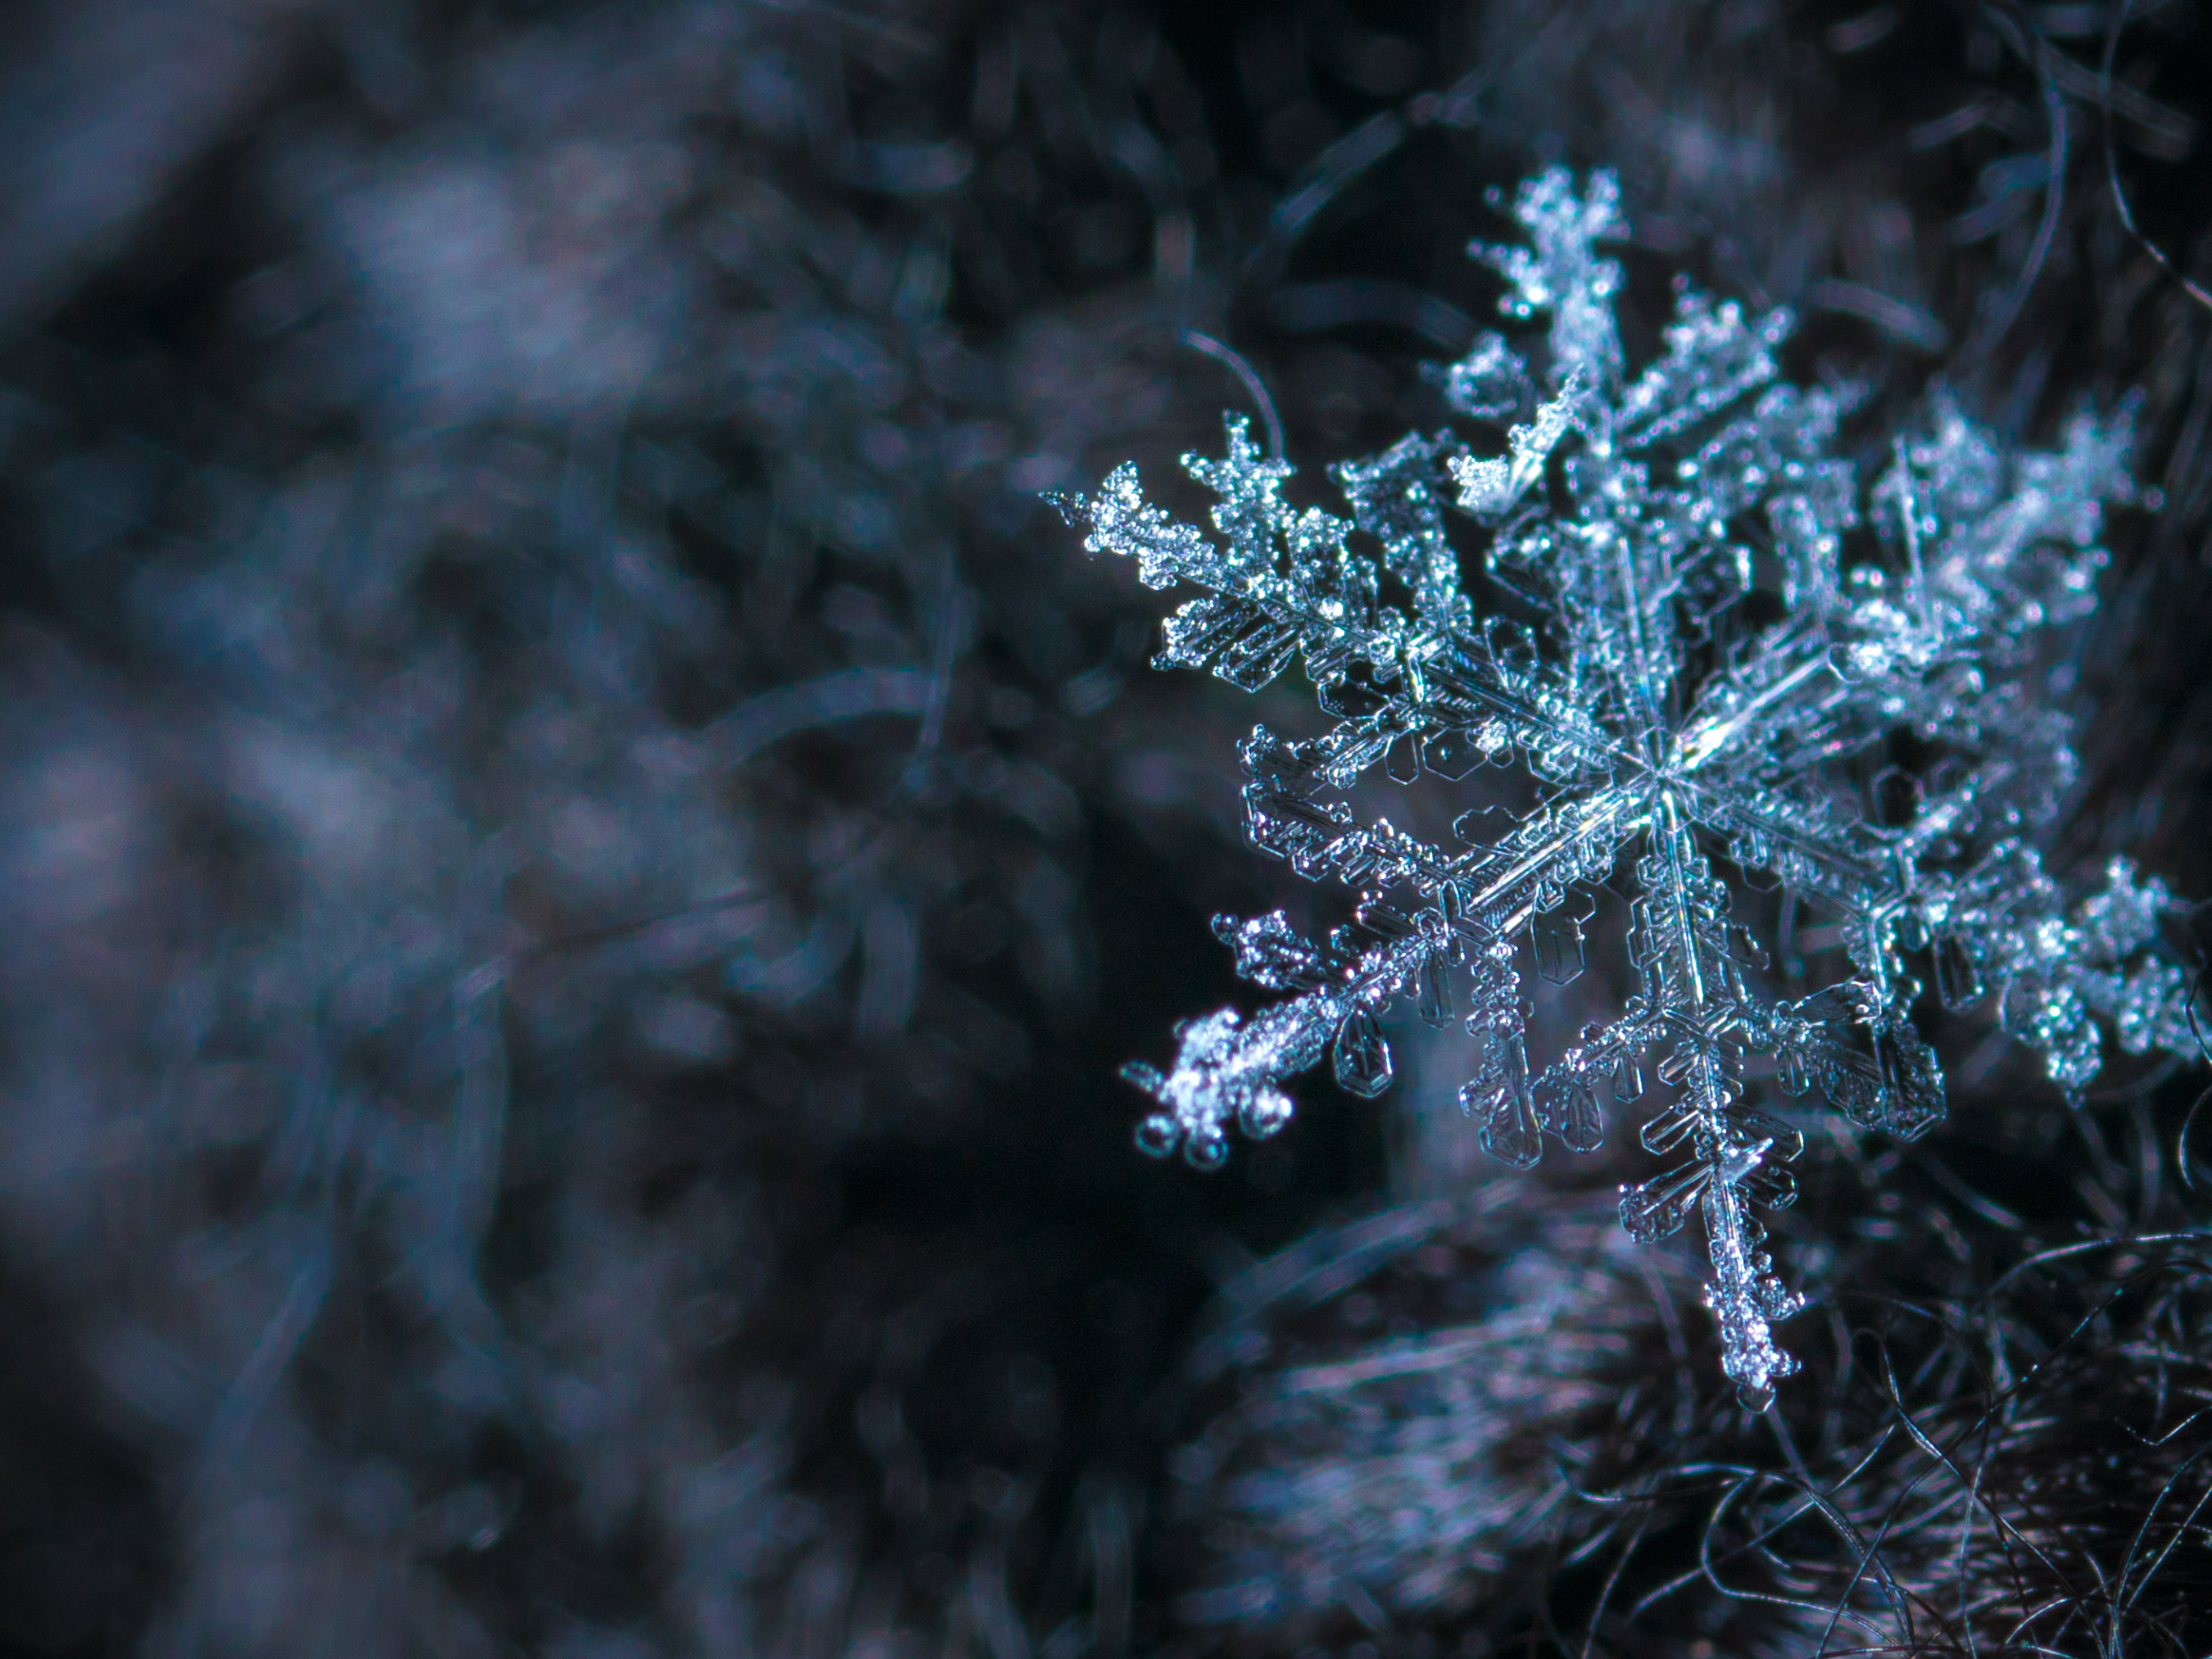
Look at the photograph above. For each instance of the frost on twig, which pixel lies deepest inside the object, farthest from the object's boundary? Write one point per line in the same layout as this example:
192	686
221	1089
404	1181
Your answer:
1664	720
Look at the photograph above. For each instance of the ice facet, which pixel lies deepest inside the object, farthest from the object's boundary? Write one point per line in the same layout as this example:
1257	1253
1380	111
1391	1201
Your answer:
1958	977
1506	1109
1656	1208
1361	1057
1558	936
1581	1125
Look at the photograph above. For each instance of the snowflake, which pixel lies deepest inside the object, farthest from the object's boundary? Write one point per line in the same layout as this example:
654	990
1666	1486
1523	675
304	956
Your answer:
1736	654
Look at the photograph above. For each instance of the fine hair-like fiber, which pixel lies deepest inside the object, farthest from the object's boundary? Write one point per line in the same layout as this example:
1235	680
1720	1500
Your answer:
582	852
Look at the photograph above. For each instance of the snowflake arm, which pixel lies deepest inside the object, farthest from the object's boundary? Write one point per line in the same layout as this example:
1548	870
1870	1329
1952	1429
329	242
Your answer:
1285	584
1560	271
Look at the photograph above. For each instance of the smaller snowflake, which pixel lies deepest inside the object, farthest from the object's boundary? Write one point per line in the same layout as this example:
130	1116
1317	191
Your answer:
1730	638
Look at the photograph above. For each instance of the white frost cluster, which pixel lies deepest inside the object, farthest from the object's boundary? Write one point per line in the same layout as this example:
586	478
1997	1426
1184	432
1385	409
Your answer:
1736	646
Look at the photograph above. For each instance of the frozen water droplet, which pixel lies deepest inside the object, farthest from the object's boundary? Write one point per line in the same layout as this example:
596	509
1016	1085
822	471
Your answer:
1159	1135
1204	1151
1263	1112
1755	1396
1361	1057
1269	951
1776	1299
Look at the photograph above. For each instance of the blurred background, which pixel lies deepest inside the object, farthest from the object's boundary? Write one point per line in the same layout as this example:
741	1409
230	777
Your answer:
582	852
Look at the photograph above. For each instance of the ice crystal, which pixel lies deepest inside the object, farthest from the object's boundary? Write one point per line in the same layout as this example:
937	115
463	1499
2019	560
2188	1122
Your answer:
1739	653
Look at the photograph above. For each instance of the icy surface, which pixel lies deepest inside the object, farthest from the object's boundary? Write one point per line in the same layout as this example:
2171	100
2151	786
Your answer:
1739	649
